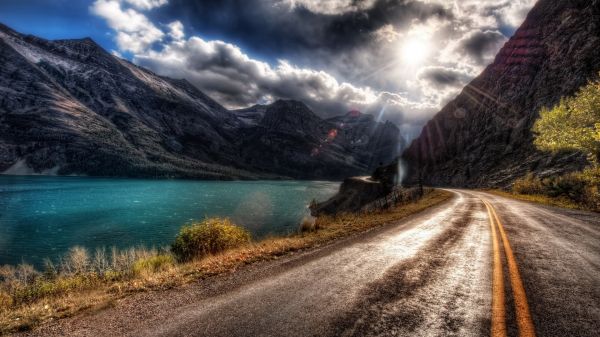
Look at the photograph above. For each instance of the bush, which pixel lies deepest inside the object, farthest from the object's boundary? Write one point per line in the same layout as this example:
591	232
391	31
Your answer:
592	197
153	264
528	185
208	237
570	185
6	301
579	187
308	224
76	261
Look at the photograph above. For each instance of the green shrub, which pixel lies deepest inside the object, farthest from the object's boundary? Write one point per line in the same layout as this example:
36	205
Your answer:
591	175
570	185
583	188
573	124
153	264
208	237
528	185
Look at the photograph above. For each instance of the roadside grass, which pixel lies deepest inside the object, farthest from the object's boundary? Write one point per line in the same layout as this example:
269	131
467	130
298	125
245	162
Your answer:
576	190
86	282
541	199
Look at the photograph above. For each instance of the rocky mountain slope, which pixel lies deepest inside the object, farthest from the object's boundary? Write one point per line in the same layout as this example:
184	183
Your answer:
288	138
370	140
69	107
483	137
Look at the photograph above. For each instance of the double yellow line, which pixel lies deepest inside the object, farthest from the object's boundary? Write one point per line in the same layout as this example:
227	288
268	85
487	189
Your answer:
524	321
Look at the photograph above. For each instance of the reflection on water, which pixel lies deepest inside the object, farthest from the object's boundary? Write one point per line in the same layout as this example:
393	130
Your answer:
44	216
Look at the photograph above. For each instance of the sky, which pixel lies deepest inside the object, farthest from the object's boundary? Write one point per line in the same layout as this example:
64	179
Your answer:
400	60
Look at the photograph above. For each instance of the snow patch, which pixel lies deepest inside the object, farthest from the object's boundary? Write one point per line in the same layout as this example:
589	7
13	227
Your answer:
20	168
35	55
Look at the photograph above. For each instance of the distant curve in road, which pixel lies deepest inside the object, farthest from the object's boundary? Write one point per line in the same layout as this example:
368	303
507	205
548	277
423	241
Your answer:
431	274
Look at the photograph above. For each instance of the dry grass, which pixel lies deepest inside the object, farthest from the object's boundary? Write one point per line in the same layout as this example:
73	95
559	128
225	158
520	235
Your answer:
540	199
577	190
84	281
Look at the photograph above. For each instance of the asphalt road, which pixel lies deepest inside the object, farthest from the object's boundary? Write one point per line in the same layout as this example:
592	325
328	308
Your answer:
477	265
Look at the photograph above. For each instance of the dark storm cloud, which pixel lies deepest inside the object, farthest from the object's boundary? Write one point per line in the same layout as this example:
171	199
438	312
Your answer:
277	27
480	44
348	29
442	77
334	55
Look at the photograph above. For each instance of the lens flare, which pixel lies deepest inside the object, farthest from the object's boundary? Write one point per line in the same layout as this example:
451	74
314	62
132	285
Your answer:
415	50
401	172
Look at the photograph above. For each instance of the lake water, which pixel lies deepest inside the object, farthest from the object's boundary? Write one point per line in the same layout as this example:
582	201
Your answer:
44	216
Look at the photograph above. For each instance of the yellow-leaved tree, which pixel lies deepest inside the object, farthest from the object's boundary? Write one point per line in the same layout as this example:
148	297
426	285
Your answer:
574	124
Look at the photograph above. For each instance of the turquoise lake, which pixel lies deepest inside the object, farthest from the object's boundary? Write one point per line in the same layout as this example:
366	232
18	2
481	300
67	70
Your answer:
42	217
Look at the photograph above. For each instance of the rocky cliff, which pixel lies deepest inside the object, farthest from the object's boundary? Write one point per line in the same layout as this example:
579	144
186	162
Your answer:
69	107
483	137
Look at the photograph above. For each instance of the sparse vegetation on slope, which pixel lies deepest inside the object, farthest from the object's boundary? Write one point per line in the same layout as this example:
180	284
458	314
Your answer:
84	281
572	125
577	190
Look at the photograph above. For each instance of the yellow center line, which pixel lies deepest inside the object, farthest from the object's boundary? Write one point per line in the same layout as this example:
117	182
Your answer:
498	306
524	321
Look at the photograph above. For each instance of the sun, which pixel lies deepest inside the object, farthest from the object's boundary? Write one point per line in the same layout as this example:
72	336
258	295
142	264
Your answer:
415	50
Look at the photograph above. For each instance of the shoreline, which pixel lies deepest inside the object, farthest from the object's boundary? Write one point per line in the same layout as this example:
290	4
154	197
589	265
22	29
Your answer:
97	292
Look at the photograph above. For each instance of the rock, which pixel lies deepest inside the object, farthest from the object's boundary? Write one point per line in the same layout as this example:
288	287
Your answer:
354	193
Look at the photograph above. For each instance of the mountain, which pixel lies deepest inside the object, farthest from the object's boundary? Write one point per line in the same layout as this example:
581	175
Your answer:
370	140
483	137
70	107
288	138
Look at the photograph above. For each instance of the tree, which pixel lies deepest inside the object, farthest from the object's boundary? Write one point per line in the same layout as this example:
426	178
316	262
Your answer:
574	124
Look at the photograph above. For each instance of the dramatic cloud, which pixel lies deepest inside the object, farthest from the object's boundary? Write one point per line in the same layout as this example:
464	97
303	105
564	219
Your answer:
330	7
481	46
400	60
176	30
135	32
147	4
300	29
223	71
440	77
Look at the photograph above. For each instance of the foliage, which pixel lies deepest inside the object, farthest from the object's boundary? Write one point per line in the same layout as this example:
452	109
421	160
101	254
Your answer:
528	185
153	264
581	188
574	124
211	236
77	271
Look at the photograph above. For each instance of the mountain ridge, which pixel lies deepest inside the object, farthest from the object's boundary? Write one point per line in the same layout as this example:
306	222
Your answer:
70	107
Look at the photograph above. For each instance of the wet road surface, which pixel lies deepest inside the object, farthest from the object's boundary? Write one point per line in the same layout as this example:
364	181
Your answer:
477	265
